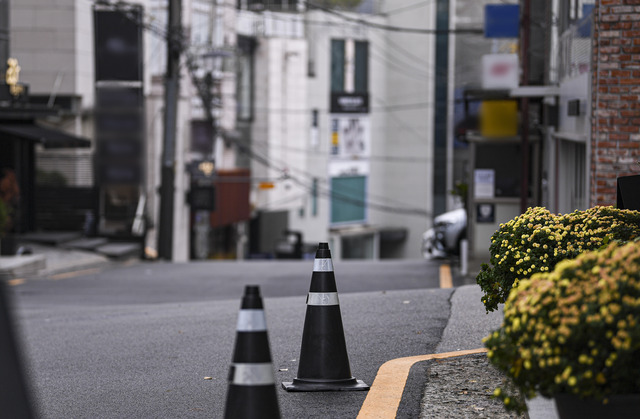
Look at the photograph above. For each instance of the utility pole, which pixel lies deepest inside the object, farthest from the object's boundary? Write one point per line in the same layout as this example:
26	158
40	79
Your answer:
524	104
171	93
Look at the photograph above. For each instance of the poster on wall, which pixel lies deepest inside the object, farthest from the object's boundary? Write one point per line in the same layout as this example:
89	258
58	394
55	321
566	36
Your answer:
484	183
350	136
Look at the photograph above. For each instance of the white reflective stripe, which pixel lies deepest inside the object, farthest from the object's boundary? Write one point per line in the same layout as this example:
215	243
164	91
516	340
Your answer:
252	374
322	265
251	320
322	299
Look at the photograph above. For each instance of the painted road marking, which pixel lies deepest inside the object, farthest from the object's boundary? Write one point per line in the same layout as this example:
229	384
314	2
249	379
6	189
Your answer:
73	274
386	391
445	276
16	281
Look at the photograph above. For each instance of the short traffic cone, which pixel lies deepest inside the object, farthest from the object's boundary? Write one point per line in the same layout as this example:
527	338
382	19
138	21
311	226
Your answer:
324	363
252	386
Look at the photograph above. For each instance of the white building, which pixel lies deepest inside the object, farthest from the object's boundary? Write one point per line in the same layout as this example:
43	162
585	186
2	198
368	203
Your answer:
341	126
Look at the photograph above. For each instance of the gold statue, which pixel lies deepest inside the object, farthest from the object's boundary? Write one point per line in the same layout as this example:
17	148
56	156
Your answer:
13	76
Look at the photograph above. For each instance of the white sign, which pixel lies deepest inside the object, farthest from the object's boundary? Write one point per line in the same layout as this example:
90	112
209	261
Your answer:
350	136
484	183
348	168
500	71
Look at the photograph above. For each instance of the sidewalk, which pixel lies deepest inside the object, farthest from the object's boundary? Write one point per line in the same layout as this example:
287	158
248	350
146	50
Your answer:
55	252
48	260
469	323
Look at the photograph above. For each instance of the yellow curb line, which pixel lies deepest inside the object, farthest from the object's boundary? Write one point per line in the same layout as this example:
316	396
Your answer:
67	275
386	391
445	276
16	281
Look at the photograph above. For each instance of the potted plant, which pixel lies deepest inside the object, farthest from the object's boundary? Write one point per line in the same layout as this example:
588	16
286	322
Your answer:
574	334
537	240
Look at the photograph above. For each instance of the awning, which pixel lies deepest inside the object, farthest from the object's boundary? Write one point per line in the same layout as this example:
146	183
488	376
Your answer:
48	137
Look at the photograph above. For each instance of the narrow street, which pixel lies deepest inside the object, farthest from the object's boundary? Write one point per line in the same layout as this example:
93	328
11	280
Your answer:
138	341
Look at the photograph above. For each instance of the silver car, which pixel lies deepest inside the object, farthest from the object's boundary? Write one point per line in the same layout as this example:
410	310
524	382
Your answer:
444	238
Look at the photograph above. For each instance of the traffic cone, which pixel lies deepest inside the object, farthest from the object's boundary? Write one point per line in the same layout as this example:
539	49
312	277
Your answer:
252	386
324	363
14	397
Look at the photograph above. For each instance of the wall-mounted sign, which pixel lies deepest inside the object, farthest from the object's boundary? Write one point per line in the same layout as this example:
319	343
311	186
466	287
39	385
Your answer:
350	136
484	183
499	118
349	102
500	71
501	21
485	213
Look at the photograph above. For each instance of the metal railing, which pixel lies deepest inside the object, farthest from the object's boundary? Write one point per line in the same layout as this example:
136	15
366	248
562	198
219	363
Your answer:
575	49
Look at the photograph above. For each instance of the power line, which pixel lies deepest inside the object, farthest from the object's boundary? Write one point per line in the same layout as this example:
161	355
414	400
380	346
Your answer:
179	41
408	7
374	25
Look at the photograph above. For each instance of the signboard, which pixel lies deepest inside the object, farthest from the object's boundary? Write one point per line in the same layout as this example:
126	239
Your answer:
349	102
500	71
350	136
484	183
501	20
348	168
485	213
499	118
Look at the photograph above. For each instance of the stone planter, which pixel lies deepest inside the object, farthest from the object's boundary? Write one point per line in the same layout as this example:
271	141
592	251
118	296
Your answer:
8	245
621	406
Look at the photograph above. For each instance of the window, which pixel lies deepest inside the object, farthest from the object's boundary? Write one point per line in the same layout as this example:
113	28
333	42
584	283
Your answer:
348	199
314	197
244	92
337	65
349	66
157	61
506	160
362	67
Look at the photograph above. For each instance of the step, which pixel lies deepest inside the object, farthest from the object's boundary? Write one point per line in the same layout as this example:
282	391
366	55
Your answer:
120	250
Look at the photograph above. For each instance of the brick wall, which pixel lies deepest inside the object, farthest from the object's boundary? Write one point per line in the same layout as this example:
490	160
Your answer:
615	112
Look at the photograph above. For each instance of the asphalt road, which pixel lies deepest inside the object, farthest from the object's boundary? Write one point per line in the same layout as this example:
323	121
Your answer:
138	341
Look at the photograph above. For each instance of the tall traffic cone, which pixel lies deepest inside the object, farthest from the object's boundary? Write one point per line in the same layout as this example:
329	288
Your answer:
14	398
324	363
252	386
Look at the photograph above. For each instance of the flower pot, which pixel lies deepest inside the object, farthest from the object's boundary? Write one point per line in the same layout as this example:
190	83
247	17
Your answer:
620	406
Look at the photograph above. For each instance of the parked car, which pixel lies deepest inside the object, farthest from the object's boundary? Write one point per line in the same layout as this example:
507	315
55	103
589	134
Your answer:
444	238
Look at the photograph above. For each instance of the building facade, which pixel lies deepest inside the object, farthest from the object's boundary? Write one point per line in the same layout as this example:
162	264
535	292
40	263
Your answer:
341	126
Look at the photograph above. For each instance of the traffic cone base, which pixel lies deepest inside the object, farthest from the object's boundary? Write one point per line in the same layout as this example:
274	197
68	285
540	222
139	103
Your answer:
325	385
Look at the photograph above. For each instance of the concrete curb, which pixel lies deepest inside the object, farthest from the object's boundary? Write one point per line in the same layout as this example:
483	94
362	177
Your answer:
20	266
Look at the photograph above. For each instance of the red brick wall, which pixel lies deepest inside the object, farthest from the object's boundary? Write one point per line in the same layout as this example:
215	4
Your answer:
615	114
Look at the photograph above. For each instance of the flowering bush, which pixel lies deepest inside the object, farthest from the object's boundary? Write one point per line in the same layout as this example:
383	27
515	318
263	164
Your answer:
574	330
537	240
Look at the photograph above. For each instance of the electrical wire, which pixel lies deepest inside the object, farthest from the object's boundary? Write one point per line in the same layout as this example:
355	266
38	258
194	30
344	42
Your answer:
178	41
374	25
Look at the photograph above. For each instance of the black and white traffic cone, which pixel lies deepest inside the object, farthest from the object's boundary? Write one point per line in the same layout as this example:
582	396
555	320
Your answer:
324	363
14	398
252	386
